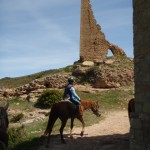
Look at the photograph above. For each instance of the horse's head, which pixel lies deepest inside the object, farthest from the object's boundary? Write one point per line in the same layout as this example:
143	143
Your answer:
4	117
95	108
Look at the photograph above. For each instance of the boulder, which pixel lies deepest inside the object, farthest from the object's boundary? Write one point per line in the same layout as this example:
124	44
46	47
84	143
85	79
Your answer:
88	63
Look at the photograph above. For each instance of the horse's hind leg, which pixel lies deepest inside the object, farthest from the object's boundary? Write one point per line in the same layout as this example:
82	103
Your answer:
63	124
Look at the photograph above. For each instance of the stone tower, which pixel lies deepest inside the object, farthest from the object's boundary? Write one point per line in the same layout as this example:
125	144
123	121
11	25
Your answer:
93	45
140	121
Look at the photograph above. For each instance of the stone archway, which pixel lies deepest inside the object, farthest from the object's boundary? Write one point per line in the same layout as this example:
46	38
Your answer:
116	50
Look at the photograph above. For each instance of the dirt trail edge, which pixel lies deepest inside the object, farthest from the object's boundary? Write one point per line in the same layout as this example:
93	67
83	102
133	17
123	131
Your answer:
112	133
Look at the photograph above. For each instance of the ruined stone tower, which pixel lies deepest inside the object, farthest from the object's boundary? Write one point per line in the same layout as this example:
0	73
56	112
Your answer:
93	45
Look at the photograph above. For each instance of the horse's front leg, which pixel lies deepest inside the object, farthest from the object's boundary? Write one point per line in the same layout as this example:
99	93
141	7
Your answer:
71	127
48	140
63	124
80	118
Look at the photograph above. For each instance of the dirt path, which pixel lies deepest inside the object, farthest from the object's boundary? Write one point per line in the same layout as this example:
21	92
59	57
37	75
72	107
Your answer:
110	134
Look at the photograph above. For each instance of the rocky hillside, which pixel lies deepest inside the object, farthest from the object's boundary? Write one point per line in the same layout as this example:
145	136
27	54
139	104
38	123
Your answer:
115	72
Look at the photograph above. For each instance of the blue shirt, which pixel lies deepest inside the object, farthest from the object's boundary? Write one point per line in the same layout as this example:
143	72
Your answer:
71	94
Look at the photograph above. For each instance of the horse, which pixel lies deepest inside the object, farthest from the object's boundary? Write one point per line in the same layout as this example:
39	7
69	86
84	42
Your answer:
4	122
64	110
131	106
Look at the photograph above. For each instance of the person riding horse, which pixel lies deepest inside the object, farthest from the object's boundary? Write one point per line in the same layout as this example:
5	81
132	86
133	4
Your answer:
70	94
62	110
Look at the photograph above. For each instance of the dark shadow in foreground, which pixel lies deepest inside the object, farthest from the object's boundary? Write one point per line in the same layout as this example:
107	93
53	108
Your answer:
104	142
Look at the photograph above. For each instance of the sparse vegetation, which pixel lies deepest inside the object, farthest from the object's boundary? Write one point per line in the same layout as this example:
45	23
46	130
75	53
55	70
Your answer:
17	103
16	135
17	118
48	97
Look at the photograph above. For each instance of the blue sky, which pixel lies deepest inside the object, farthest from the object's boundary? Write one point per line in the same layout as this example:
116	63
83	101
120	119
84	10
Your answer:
38	35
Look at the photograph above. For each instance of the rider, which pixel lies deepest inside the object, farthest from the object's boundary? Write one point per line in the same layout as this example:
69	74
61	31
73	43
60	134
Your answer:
70	93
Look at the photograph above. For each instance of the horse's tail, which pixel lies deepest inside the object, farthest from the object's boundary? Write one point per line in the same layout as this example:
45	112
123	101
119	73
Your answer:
52	118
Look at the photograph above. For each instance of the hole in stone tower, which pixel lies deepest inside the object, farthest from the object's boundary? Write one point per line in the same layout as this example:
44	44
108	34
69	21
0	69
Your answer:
109	54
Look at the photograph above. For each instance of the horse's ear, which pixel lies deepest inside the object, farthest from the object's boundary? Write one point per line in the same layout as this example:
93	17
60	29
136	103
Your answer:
6	106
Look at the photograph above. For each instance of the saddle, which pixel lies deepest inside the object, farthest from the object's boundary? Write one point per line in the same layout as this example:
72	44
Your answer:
75	109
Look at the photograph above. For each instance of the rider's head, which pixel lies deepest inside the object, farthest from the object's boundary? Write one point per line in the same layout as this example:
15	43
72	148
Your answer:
70	80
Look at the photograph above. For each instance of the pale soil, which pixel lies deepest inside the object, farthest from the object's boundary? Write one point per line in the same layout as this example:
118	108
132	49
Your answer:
112	133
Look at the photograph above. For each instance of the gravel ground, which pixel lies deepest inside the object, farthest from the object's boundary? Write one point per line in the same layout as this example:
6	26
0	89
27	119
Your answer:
112	133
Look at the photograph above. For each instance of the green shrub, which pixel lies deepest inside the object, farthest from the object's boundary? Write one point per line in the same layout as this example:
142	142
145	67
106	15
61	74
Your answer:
48	98
93	71
90	75
17	117
16	135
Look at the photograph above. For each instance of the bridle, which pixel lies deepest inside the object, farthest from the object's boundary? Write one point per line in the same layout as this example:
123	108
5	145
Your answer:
95	110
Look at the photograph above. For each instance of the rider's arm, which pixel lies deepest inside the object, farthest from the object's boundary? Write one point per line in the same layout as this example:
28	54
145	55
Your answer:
73	92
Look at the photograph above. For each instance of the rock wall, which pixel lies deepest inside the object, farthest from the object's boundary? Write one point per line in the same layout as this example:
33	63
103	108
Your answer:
93	45
32	90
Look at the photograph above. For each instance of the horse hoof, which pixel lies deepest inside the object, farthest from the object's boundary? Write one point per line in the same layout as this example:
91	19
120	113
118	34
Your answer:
71	137
81	134
43	136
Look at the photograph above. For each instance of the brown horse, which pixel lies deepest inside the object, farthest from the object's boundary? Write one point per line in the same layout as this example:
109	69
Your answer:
3	127
64	110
